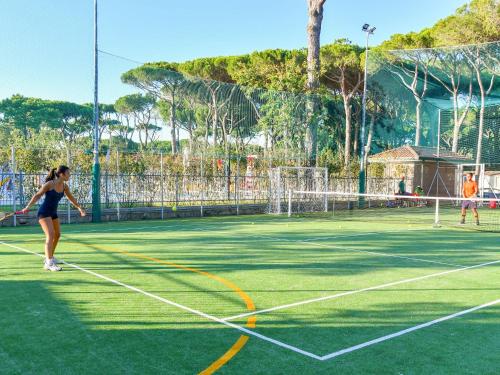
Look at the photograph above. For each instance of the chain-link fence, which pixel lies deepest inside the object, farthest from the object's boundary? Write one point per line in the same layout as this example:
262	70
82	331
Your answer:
154	182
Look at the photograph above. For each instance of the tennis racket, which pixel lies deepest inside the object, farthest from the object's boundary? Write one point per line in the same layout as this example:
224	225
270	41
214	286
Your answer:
6	215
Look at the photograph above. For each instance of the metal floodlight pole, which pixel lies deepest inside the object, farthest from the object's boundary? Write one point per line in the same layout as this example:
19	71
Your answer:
362	173
96	170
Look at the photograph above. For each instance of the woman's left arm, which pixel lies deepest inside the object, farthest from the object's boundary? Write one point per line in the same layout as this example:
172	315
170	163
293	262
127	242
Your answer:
73	201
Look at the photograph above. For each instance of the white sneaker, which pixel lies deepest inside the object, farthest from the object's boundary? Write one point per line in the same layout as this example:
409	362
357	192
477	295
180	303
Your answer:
49	265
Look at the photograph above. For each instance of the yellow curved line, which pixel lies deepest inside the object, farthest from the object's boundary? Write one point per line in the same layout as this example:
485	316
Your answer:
226	357
251	321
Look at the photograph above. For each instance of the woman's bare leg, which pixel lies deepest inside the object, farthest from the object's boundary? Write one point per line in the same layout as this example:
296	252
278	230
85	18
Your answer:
48	229
57	234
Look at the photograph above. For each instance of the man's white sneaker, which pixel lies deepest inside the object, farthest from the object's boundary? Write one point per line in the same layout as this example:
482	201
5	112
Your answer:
51	266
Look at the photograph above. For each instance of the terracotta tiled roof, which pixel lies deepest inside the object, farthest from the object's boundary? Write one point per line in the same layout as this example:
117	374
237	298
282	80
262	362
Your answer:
416	153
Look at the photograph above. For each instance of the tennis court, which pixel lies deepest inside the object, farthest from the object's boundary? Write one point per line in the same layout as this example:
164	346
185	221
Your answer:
253	294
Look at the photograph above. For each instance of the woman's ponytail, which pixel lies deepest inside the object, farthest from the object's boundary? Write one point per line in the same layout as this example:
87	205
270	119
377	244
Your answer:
55	172
52	175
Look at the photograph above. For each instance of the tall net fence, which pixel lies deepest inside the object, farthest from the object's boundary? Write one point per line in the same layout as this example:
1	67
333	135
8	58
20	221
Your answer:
429	112
153	184
441	98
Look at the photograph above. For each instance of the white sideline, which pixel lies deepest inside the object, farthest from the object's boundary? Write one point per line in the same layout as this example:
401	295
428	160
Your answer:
333	296
405	331
309	242
182	307
279	343
383	254
211	227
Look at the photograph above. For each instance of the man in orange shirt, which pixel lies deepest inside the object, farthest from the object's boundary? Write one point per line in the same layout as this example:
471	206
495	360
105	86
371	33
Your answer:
469	190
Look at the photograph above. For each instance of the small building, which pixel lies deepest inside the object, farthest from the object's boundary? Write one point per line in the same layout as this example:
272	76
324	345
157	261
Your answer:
419	165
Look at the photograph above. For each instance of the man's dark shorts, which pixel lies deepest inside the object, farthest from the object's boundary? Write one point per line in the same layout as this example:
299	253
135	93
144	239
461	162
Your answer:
469	204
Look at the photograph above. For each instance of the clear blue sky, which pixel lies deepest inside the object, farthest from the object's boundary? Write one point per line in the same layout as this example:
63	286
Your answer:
46	45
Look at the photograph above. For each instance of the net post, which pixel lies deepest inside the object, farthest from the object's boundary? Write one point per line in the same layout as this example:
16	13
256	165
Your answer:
161	184
236	185
176	189
201	185
119	184
437	223
290	203
326	190
279	191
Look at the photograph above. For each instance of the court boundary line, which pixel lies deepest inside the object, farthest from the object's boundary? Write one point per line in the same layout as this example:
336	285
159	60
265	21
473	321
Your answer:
269	339
270	238
251	322
306	241
406	331
356	291
353	249
175	304
383	254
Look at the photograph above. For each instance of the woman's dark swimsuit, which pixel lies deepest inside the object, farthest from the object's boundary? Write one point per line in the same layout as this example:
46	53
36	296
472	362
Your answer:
49	206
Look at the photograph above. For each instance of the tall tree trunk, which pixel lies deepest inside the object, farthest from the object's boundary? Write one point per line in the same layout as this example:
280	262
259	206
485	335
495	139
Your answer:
173	133
356	138
483	91
458	119
207	128
480	128
348	128
191	140
315	11
418	125
214	124
456	125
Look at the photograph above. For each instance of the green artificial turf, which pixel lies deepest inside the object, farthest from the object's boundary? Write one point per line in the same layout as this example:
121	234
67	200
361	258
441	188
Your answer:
73	322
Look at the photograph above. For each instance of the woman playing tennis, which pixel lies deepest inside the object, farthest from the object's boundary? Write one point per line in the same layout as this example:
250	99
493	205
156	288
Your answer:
54	189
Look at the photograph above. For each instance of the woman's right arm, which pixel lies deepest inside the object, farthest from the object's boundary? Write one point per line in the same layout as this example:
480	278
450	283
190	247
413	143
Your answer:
39	194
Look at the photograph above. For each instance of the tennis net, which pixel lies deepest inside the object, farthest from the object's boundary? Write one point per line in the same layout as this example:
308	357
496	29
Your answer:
405	209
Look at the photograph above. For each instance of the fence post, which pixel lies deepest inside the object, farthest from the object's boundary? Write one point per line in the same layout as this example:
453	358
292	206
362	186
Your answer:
176	189
236	185
119	187
270	177
279	190
201	186
161	183
14	190
326	190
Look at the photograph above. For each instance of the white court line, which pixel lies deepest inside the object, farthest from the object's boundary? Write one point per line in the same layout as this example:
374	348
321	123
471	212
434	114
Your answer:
276	342
181	224
308	242
182	307
405	331
211	227
333	296
384	254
